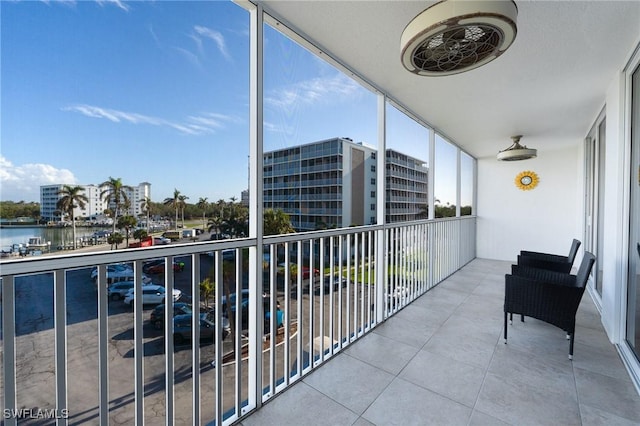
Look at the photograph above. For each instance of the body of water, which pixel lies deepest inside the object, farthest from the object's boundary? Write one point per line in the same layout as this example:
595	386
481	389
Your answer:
59	237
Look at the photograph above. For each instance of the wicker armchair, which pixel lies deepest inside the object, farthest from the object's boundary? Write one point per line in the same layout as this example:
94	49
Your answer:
553	262
549	296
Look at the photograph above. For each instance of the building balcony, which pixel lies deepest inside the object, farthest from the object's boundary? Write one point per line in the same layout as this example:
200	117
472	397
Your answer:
425	347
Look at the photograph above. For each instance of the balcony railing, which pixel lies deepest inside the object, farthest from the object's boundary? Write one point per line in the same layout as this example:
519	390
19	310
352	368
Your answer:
280	310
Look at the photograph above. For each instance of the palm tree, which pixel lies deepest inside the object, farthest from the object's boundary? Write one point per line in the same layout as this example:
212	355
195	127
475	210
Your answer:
174	202
145	205
277	222
214	224
115	192
203	204
72	197
182	201
127	222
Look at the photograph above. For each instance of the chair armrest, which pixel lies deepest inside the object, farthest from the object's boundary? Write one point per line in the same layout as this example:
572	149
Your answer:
535	262
538	274
544	256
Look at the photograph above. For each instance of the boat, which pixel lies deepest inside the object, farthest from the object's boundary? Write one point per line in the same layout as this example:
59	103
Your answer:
37	243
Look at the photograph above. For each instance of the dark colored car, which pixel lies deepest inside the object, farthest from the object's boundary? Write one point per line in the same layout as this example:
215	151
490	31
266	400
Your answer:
157	314
244	305
183	332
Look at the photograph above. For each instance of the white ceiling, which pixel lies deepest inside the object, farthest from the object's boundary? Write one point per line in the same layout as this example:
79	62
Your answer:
549	86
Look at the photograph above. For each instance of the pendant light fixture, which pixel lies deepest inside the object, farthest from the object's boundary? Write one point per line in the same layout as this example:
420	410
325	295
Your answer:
516	151
454	36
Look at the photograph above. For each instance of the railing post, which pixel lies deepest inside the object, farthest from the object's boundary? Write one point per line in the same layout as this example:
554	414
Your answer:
60	327
9	346
103	346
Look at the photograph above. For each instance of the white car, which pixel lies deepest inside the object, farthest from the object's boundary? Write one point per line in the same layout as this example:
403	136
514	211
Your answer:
160	241
117	291
117	273
151	295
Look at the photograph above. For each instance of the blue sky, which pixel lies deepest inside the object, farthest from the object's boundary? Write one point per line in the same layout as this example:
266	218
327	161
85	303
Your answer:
158	92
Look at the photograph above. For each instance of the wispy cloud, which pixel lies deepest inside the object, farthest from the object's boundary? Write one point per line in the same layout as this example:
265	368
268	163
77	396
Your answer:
316	90
194	125
118	3
214	35
63	2
190	56
22	182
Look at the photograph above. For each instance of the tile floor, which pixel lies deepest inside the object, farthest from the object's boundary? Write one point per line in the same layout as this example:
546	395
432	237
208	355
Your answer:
442	361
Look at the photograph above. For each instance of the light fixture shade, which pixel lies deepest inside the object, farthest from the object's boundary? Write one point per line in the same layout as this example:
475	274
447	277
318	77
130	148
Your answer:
454	36
517	152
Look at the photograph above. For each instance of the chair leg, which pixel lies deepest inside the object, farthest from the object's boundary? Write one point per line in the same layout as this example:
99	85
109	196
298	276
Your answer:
521	318
505	328
510	318
571	346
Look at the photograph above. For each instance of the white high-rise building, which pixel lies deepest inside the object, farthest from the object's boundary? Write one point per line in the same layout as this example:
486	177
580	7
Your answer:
95	206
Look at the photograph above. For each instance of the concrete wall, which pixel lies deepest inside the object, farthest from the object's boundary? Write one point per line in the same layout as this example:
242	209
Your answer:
545	218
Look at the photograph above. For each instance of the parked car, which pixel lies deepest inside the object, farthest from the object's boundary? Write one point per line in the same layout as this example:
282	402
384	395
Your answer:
182	330
244	305
158	241
157	314
119	273
189	233
151	295
156	266
119	290
219	236
114	268
172	235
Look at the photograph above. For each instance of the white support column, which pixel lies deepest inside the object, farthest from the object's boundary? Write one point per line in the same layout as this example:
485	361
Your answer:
256	204
168	342
381	265
195	354
458	181
432	173
474	202
138	343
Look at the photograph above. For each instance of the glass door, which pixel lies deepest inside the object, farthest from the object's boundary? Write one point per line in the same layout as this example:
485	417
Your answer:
594	196
633	281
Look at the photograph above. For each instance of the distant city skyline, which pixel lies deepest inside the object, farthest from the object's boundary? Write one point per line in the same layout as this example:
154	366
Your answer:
159	92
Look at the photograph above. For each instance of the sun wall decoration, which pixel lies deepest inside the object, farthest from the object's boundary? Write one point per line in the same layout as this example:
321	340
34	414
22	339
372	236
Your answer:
527	180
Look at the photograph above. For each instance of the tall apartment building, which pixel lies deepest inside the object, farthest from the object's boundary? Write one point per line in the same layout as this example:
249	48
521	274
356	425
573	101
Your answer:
406	187
332	183
95	206
135	196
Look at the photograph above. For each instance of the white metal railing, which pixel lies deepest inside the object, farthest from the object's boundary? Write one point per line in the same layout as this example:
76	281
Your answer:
72	352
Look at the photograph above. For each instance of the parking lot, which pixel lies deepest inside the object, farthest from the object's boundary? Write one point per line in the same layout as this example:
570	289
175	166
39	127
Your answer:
35	361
